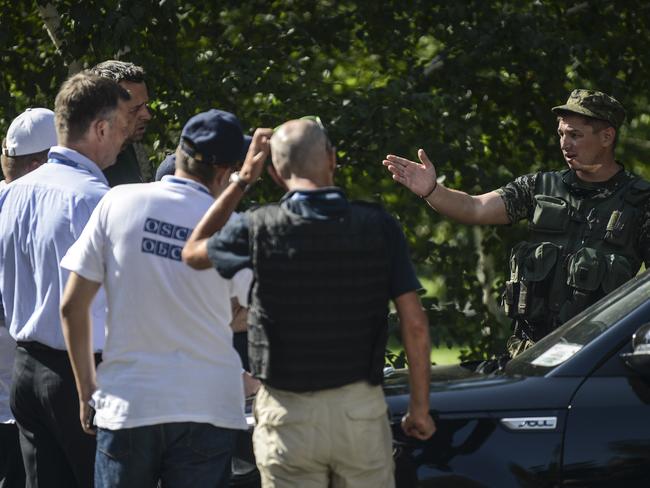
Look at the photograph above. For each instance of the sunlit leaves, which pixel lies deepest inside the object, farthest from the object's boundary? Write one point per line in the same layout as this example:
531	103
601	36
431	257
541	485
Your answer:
470	81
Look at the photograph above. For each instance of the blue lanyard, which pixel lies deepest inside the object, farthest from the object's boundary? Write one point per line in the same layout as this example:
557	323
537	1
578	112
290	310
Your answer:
190	183
72	164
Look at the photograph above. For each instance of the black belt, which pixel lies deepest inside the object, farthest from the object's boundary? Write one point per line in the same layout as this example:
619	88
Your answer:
33	346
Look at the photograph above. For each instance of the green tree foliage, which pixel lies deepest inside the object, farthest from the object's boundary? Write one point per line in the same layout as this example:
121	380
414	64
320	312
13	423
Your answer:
470	81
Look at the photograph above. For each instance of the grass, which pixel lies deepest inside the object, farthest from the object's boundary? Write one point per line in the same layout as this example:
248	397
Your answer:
444	355
434	286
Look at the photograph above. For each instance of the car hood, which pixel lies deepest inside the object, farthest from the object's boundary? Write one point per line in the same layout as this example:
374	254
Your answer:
456	389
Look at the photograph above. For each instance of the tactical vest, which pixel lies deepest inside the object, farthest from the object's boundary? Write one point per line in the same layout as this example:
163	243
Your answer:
581	247
319	301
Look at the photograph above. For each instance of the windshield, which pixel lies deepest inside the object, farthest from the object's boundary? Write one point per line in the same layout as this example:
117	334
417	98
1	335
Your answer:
567	340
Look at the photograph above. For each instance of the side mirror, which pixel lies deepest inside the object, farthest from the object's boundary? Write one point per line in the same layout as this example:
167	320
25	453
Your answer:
639	359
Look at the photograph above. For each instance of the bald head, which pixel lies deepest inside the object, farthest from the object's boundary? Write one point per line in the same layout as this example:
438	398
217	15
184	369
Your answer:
300	148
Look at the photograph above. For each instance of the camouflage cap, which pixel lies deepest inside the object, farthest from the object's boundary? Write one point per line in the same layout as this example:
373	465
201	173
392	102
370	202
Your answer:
595	104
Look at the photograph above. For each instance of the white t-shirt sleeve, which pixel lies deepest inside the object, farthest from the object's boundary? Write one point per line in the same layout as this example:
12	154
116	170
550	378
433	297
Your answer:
86	256
240	285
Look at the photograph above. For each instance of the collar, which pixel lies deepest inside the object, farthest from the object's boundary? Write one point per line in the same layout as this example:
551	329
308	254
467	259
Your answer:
585	188
177	180
325	193
62	152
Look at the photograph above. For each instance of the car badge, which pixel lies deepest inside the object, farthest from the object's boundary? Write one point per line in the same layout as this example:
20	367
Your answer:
530	423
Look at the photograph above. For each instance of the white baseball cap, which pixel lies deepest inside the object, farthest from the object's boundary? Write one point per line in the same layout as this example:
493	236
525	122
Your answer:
31	132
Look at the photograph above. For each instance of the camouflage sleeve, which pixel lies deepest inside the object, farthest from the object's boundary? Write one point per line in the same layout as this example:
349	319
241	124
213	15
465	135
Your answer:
518	197
644	234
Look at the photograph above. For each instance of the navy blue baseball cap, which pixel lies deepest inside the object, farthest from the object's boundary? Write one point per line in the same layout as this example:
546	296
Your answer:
213	137
168	166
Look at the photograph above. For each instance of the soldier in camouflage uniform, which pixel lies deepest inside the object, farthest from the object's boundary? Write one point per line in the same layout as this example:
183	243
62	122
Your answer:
589	223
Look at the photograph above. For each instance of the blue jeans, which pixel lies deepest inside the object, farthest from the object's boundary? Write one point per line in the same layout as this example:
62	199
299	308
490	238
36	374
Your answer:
182	454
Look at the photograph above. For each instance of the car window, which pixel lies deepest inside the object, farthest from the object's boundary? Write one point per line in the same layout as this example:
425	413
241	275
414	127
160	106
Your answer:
567	340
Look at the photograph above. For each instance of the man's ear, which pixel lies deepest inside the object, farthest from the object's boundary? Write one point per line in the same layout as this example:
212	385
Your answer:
222	175
607	136
99	128
270	169
332	159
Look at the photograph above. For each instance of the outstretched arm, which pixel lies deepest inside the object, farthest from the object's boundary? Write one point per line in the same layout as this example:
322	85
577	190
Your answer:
195	252
415	334
420	178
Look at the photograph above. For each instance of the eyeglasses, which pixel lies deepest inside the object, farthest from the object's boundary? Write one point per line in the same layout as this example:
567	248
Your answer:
315	118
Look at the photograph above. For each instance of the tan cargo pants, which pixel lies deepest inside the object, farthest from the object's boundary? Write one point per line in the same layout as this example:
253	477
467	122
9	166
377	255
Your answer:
338	438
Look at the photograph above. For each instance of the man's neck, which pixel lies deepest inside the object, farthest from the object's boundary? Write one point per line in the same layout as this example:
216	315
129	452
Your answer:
603	173
85	150
214	190
297	183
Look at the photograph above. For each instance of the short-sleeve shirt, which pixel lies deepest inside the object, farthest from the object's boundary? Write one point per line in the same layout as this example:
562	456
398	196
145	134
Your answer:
229	249
168	354
519	199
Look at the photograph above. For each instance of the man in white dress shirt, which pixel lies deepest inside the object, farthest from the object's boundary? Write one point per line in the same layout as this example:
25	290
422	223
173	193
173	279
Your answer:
25	148
41	215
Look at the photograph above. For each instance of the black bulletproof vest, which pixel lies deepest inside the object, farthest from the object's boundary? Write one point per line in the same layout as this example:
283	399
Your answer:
581	247
319	302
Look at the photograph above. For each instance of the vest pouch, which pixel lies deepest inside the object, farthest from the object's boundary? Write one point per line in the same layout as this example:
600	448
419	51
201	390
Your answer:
586	269
551	214
620	226
510	297
531	268
619	271
537	274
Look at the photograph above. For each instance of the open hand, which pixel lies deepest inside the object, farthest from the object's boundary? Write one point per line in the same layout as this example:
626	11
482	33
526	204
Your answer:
420	177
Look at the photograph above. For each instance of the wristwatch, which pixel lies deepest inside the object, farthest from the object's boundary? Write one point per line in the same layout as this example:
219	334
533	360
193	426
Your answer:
235	178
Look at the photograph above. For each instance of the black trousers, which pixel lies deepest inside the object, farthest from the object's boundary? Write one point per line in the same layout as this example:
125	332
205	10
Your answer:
56	451
12	472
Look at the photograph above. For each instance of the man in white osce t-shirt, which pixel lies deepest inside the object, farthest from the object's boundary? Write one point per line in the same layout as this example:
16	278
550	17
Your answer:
25	148
169	395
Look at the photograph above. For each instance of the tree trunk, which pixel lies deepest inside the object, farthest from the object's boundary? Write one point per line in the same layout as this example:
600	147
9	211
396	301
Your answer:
52	22
485	275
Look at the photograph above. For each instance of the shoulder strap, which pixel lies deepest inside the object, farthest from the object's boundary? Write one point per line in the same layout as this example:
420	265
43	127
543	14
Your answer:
638	191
